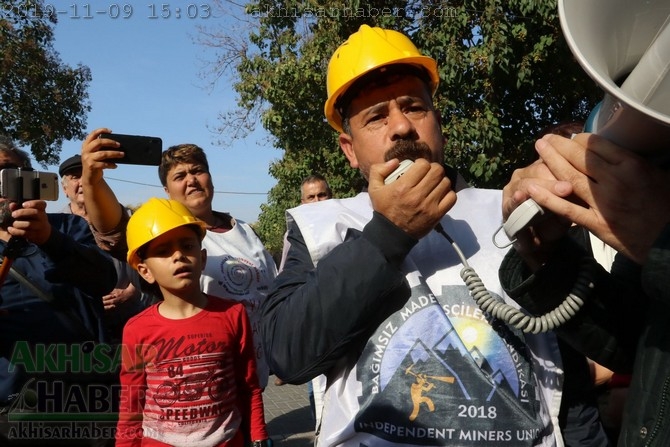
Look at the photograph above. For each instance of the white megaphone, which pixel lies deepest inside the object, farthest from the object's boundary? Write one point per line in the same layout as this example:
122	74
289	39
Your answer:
624	45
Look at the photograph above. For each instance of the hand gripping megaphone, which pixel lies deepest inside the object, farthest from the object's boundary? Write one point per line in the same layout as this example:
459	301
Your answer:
624	45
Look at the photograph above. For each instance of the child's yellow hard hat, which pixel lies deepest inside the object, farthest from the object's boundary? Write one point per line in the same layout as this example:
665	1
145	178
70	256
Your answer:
156	217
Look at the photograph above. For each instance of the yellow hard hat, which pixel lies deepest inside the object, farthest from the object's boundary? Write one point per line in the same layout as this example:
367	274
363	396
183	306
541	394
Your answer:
156	217
364	51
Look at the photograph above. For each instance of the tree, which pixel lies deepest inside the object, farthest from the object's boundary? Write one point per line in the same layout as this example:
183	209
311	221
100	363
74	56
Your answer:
42	100
506	74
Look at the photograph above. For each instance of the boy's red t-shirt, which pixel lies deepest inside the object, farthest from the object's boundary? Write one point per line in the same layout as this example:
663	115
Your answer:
189	381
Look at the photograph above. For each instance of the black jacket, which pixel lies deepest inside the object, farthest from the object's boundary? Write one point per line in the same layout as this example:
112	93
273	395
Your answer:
305	337
623	325
74	273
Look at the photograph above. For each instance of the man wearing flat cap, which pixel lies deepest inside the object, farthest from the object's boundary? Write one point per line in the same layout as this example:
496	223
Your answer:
70	173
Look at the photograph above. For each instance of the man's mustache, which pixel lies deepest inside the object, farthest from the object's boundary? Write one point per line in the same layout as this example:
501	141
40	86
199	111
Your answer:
409	150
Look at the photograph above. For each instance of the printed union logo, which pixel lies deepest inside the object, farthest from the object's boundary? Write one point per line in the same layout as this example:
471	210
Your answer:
447	375
238	275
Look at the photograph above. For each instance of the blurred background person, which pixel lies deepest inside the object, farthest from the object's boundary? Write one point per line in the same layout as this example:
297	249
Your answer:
315	188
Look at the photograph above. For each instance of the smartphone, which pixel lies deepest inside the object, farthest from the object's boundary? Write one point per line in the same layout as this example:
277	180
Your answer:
19	185
138	150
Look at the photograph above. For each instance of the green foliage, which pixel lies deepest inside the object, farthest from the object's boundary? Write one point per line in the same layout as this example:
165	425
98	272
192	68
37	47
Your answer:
506	74
42	101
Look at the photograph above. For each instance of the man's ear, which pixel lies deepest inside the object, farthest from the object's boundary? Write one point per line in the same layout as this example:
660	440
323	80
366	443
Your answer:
347	146
145	273
203	258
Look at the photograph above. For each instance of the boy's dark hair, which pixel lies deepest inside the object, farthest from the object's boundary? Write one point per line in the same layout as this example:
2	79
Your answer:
178	154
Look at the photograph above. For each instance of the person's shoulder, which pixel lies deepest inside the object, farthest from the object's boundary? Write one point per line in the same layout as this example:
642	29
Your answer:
247	230
357	211
71	224
225	217
235	222
57	219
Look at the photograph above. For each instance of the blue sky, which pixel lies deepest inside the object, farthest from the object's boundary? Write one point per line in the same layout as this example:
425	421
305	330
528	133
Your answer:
146	82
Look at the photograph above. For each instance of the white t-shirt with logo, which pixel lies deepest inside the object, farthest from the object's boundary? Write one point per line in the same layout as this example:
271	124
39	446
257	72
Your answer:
437	372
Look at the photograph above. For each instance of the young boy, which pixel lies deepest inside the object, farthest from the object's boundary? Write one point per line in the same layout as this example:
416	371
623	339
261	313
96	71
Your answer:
188	373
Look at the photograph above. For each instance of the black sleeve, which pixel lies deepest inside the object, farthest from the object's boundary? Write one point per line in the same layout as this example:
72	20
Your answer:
77	260
655	272
607	326
315	317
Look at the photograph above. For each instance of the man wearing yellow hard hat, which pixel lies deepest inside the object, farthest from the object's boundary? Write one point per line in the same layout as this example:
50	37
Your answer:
410	358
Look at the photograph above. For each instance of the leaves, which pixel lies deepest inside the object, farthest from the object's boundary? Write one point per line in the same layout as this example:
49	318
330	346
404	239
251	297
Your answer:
42	101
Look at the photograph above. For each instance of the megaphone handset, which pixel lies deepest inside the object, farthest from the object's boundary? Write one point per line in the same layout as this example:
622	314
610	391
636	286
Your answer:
525	214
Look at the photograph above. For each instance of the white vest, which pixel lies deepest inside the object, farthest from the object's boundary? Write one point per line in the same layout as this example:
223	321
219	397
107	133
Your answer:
436	372
238	267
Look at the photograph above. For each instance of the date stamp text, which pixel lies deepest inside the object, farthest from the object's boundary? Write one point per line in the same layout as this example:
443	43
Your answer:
86	11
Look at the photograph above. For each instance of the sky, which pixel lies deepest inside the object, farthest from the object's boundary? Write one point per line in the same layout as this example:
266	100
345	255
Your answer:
146	81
